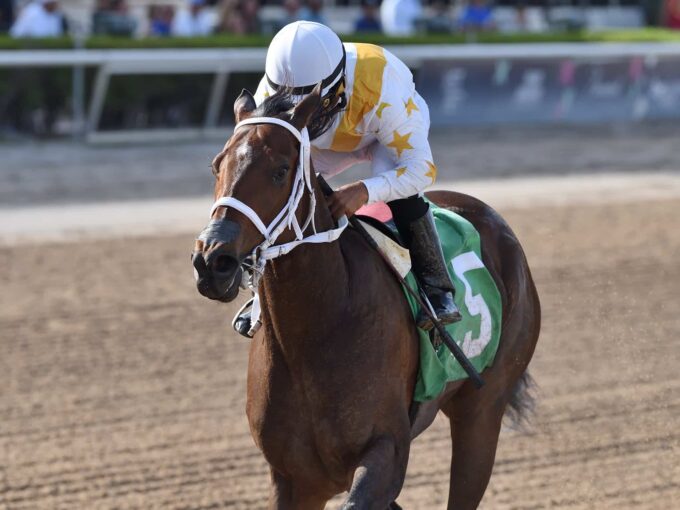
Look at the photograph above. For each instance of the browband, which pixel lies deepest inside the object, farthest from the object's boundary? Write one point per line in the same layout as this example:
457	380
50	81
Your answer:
299	91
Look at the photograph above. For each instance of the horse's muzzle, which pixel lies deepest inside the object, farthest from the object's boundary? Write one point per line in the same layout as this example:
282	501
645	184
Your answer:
217	279
217	267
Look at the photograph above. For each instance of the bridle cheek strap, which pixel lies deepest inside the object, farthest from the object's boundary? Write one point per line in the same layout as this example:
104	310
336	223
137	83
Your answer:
287	217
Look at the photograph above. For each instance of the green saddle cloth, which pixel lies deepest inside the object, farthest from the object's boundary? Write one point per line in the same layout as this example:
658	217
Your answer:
479	303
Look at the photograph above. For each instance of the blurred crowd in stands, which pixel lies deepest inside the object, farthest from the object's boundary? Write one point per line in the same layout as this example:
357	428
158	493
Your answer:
192	18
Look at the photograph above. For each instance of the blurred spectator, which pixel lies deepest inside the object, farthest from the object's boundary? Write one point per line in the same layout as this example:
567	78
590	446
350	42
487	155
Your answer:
239	17
229	18
249	10
398	17
193	21
528	20
477	16
40	18
440	22
294	12
160	20
6	14
368	21
111	17
313	12
671	14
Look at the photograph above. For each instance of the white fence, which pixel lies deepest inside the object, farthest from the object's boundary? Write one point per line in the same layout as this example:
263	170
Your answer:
221	62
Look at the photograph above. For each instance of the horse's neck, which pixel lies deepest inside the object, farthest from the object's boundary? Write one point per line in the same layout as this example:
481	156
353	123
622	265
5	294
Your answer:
312	274
308	284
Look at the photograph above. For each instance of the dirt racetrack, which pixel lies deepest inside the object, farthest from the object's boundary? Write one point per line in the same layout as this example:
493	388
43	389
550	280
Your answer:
121	387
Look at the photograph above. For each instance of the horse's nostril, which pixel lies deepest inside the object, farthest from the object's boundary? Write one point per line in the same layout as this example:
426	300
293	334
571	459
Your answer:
224	264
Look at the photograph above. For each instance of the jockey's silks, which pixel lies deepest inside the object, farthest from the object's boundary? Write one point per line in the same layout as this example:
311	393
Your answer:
385	122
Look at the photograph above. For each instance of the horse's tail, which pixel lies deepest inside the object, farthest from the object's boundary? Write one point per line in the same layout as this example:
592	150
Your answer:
522	402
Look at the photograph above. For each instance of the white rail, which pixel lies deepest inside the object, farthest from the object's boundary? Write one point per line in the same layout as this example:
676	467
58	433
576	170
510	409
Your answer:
246	59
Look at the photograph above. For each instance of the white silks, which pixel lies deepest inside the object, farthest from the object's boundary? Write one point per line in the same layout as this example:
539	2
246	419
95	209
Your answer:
287	217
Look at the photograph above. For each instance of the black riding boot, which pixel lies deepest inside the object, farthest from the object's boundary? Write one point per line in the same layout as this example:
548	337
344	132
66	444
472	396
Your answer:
429	267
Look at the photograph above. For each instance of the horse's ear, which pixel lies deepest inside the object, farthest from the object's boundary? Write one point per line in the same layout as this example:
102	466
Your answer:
244	104
303	112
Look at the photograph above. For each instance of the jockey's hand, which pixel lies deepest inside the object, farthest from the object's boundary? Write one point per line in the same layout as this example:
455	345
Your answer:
347	199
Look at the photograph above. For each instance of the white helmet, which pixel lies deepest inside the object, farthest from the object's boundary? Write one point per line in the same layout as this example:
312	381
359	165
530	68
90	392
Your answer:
302	54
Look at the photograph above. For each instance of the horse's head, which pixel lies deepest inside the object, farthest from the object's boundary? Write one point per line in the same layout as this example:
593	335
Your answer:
256	176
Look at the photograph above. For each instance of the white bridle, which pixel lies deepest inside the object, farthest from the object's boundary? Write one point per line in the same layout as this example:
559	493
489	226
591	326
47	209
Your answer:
287	217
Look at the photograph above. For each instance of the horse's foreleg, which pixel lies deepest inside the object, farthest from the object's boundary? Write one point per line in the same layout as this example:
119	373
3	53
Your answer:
380	475
285	495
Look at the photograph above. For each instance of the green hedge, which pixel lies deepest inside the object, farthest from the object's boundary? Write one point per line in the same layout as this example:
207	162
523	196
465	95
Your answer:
233	41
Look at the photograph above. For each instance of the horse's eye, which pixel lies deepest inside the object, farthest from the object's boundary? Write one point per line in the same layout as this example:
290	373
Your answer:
280	174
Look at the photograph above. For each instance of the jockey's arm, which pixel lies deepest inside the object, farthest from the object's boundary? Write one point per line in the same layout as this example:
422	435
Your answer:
404	150
401	157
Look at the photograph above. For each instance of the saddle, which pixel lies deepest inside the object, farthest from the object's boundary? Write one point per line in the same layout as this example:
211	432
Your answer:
377	221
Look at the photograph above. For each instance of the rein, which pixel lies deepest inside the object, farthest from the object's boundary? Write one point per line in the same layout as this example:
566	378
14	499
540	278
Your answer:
287	217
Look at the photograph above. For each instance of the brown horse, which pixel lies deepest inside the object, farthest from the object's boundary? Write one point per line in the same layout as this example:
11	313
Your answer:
332	370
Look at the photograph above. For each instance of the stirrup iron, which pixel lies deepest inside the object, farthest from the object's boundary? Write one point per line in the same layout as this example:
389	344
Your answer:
242	323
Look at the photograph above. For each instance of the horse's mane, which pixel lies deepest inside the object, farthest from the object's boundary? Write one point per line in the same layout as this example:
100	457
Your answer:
276	104
283	101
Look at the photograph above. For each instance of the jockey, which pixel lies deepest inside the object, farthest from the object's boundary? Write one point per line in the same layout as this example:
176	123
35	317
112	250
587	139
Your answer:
370	112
